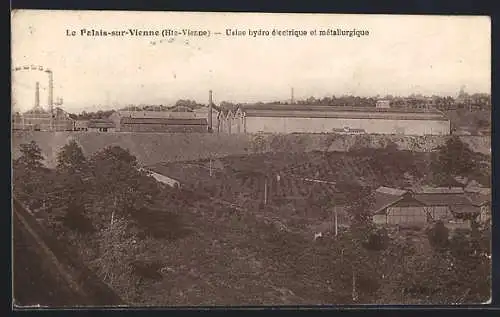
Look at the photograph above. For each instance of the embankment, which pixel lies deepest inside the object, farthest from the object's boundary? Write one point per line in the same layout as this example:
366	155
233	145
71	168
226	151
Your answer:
152	148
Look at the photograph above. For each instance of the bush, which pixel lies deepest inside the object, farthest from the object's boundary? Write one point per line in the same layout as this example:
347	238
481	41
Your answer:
76	220
378	240
438	236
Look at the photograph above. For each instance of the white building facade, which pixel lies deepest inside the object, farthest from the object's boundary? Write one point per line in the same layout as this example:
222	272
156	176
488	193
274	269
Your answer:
321	119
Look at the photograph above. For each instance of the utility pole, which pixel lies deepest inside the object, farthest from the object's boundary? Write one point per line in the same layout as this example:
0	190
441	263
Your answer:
336	220
210	166
37	95
113	213
354	292
265	191
210	106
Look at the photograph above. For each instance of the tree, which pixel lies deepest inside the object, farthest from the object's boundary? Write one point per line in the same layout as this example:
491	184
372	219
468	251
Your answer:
280	143
71	188
378	240
454	158
438	236
359	208
228	105
71	158
258	144
114	174
28	173
328	140
31	156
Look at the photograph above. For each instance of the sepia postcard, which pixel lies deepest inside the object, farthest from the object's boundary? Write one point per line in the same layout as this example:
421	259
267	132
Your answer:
179	159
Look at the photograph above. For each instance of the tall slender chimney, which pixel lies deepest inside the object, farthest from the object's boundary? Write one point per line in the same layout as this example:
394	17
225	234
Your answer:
210	102
37	95
51	97
292	100
51	88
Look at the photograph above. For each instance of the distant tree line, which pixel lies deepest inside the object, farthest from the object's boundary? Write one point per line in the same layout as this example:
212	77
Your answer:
476	101
84	115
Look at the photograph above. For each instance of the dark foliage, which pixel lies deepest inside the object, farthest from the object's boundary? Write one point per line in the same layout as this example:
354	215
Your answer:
453	158
438	236
378	240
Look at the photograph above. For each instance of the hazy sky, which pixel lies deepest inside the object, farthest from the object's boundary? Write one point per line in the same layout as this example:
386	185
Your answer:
401	55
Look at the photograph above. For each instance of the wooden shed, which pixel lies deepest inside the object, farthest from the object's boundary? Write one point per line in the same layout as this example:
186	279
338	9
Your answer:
397	207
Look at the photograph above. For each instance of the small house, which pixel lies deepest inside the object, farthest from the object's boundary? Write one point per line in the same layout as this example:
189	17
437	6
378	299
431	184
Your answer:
101	125
480	198
397	207
453	206
81	125
383	103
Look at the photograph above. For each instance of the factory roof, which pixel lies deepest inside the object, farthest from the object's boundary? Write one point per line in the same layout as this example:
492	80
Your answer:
143	114
319	111
100	123
165	121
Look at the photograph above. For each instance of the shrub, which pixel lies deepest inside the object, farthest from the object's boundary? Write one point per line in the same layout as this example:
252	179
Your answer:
438	236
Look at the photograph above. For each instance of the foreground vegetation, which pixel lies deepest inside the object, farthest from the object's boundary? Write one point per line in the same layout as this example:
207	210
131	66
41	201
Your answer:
156	245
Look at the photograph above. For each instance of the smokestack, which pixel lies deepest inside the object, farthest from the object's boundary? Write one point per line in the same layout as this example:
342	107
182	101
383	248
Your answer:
210	102
37	95
51	98
51	89
292	99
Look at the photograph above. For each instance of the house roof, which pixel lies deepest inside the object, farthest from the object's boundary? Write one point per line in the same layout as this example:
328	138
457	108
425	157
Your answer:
478	199
98	123
438	190
391	191
383	201
82	123
465	209
166	121
442	199
386	197
478	190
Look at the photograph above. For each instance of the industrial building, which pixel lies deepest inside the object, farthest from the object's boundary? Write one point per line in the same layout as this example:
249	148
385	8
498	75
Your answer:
328	119
164	125
43	118
164	121
178	120
17	121
39	119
